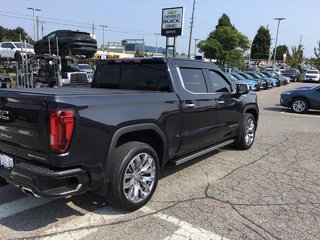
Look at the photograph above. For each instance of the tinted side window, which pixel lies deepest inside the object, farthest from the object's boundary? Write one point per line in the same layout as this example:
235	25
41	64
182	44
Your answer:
218	83
193	80
7	45
150	77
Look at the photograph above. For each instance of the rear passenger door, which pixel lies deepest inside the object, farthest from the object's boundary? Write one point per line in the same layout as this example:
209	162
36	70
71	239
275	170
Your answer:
200	124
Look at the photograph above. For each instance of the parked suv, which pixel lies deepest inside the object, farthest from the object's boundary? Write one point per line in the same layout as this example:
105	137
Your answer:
15	50
292	73
69	43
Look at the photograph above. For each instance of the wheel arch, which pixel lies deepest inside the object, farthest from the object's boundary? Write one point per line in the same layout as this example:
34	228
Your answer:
148	133
299	97
252	110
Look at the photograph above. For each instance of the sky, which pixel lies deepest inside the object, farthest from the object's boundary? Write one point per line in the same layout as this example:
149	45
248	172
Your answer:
141	19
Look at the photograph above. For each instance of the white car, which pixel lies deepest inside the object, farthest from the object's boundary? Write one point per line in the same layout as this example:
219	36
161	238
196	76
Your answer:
312	75
14	50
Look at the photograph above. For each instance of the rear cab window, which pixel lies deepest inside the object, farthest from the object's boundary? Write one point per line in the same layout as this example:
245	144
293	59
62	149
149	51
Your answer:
141	75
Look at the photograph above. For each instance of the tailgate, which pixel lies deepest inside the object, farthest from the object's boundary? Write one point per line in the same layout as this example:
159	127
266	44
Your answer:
23	127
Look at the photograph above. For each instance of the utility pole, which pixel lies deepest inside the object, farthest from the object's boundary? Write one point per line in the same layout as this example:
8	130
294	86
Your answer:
37	24
93	30
103	26
42	27
300	40
157	34
275	46
270	50
34	22
195	46
191	27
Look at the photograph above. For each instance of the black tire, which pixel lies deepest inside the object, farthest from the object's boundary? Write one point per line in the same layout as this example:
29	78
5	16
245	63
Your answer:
124	160
247	132
3	182
18	58
299	105
53	85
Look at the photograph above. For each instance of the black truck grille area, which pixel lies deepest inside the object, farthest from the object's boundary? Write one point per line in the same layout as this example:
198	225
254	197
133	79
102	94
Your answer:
78	80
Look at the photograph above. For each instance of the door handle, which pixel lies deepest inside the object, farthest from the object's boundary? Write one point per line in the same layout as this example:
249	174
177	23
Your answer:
189	105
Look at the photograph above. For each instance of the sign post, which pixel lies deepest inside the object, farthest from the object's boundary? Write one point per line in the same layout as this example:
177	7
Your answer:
172	26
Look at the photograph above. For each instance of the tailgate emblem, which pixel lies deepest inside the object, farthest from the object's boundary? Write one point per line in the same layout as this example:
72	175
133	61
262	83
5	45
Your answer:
4	115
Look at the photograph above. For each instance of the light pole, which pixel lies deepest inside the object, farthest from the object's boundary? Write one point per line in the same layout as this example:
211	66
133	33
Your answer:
103	26
191	27
34	22
157	34
275	46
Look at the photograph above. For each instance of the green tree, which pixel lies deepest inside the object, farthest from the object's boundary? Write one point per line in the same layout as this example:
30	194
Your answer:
281	49
225	44
295	57
13	34
224	21
316	60
261	44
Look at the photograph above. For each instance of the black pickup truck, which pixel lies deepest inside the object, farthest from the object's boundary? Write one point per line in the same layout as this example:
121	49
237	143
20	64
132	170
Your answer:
115	137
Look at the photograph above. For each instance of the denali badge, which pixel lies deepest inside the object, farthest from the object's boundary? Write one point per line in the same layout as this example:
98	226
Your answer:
4	115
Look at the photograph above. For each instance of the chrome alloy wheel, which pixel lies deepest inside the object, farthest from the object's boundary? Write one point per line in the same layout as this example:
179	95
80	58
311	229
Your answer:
249	131
299	106
139	178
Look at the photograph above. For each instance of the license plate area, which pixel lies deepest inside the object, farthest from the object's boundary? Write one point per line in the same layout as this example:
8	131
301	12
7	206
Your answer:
6	161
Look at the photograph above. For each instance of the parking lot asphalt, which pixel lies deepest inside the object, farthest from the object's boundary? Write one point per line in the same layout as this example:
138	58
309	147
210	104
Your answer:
271	191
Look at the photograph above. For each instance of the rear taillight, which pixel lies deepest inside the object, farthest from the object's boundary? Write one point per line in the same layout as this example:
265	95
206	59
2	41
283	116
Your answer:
61	128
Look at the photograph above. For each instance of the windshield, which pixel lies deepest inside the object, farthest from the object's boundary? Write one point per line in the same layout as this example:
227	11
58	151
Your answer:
247	76
290	71
254	75
233	78
85	66
267	74
238	76
19	45
313	72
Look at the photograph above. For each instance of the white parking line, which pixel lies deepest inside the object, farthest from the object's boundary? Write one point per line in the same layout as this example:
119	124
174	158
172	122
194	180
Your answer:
21	205
83	226
186	231
301	115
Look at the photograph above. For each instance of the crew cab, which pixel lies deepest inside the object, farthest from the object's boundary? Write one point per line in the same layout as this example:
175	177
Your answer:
116	137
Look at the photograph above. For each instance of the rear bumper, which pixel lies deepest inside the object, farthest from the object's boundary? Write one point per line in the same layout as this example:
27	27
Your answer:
45	182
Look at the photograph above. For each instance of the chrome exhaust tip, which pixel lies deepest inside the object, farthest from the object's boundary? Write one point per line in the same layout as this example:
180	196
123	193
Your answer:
28	191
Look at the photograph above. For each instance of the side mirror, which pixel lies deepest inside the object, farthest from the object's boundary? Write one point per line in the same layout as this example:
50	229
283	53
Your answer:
242	88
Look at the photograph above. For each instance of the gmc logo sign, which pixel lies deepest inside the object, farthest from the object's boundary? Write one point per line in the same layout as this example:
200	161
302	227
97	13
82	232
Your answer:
4	115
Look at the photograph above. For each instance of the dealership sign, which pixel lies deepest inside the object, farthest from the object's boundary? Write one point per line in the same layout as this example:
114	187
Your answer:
172	22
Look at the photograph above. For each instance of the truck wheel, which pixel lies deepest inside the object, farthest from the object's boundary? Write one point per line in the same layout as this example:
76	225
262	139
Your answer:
247	132
134	176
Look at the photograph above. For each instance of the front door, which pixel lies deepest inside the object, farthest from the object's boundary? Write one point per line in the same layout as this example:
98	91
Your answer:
199	107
